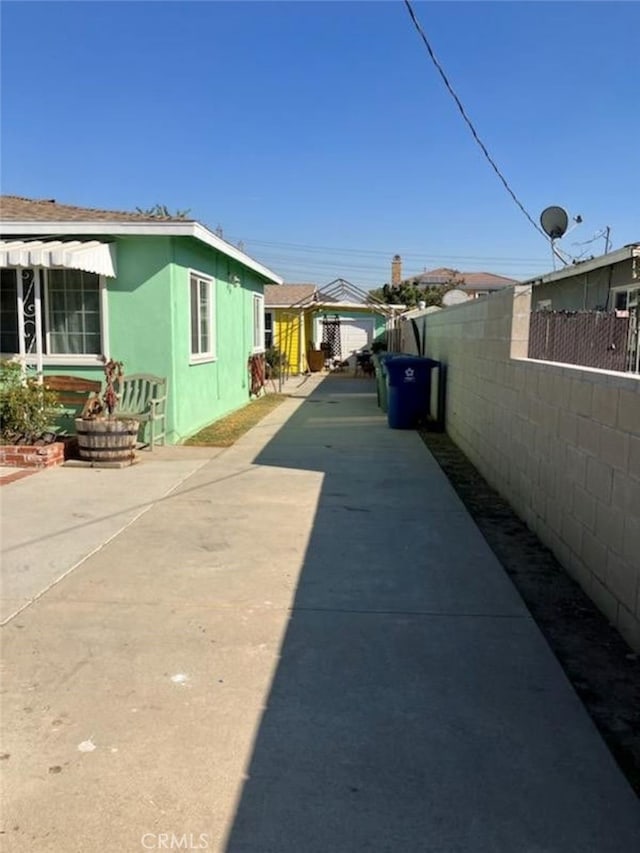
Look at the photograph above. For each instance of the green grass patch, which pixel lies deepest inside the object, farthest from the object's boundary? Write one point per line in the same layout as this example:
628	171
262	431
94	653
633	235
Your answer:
227	430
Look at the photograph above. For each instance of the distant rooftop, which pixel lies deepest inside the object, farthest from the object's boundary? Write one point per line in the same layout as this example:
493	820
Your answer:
463	280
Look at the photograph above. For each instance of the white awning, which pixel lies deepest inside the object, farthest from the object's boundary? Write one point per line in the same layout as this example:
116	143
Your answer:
88	255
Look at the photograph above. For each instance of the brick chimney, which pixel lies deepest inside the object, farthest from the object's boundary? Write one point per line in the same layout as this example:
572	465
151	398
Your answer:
396	271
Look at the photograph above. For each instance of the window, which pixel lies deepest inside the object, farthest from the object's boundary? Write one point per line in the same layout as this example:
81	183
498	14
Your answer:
268	329
202	330
258	323
621	300
625	299
72	316
8	312
71	305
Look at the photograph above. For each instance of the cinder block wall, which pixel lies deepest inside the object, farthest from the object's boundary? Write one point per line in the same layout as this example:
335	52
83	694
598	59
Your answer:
560	443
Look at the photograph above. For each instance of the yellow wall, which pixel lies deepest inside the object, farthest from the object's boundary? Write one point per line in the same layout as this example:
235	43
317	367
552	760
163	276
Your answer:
287	324
287	336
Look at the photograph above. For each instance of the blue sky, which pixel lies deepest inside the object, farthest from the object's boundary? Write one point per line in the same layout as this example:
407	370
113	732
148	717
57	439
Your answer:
320	134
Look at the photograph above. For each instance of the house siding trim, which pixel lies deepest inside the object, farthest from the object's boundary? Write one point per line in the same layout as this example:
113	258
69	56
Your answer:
121	229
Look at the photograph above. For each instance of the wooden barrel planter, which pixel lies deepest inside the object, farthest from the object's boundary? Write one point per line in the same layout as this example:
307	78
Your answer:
315	359
107	441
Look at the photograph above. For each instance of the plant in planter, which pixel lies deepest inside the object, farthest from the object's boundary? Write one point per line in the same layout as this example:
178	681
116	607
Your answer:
104	437
27	408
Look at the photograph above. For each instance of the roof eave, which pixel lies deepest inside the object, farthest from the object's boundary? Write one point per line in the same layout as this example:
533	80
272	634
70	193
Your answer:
287	305
123	229
626	253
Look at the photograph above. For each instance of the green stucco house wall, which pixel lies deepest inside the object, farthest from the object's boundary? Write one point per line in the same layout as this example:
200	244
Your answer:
164	296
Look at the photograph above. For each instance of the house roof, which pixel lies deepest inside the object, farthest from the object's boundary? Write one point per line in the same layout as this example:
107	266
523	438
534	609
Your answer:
629	252
485	280
287	294
24	217
463	280
18	208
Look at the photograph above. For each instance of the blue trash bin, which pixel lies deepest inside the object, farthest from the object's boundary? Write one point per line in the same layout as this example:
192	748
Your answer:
408	390
381	376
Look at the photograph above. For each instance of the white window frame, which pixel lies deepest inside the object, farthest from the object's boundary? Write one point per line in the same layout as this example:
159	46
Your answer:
42	315
257	304
211	354
72	358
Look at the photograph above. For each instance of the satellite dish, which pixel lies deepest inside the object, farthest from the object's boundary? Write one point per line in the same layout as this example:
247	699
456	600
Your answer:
454	297
554	221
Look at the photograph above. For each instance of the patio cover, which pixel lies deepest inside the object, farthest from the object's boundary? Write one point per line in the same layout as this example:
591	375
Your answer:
341	294
87	255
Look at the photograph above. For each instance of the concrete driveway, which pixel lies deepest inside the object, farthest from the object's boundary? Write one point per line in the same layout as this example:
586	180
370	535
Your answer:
53	520
306	645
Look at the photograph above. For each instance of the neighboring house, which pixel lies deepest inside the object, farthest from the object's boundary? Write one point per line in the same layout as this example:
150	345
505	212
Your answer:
341	316
595	312
287	326
473	284
606	283
164	295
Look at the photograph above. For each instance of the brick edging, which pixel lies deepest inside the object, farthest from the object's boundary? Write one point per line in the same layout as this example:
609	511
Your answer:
32	456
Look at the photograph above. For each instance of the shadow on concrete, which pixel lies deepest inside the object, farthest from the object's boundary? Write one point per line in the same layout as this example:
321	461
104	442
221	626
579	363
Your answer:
415	705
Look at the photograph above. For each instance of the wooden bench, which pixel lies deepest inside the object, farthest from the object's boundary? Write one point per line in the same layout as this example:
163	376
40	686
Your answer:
144	397
73	393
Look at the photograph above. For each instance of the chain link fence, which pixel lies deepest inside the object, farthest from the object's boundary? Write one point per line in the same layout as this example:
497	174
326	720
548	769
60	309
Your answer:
587	338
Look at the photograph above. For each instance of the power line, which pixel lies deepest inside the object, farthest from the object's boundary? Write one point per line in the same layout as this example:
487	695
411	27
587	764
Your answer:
474	133
314	268
277	259
310	272
406	255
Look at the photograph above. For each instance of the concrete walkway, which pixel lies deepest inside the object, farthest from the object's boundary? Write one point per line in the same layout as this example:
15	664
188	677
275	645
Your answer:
53	520
305	647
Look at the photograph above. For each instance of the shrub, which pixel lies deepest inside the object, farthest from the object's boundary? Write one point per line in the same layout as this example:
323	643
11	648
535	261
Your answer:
276	360
26	407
